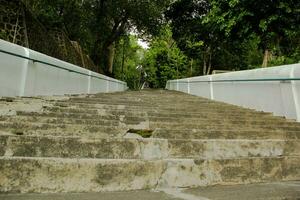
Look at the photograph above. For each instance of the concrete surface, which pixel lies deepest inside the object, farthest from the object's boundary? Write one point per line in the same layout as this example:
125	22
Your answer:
134	195
76	144
263	191
266	191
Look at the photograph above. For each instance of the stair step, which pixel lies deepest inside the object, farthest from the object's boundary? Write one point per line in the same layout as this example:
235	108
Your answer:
208	132
157	112
239	125
34	128
225	133
153	117
48	175
125	148
170	108
157	122
79	143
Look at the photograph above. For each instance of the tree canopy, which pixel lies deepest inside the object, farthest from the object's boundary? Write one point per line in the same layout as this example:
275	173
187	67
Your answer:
186	37
99	24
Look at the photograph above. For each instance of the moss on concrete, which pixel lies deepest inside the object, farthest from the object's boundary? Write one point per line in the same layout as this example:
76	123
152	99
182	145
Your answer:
142	132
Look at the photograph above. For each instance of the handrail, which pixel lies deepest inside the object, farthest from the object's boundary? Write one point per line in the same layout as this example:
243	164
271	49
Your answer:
56	66
237	80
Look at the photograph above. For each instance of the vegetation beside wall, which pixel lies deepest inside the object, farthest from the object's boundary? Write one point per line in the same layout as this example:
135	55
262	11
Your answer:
185	37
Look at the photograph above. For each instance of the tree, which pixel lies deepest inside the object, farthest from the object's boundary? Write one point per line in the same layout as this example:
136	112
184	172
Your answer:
192	36
164	60
113	18
205	43
99	24
128	56
270	20
67	15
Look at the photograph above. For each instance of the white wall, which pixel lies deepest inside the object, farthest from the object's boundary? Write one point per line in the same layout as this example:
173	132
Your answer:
277	96
24	77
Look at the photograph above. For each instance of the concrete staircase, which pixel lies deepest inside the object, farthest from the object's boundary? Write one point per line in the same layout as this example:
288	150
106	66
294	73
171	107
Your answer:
140	140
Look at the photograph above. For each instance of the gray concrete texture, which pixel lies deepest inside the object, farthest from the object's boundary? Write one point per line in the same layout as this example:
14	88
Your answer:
81	144
262	191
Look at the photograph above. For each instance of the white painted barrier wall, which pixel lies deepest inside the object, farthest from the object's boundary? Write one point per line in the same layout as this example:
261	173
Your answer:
274	89
24	77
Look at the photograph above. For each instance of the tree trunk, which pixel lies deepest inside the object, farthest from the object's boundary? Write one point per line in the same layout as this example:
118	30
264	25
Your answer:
204	64
110	58
267	58
123	60
192	61
209	65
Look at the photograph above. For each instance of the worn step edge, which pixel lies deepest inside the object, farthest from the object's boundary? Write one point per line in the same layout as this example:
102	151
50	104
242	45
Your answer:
48	175
152	124
140	109
129	148
145	116
154	106
218	133
96	131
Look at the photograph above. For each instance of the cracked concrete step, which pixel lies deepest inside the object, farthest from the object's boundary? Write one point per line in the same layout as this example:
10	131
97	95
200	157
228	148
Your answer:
136	98
287	190
157	103
77	144
133	109
150	102
126	125
133	99
125	148
94	175
44	129
155	112
142	116
34	128
238	125
126	121
133	119
136	94
54	120
119	195
168	106
83	116
229	133
147	97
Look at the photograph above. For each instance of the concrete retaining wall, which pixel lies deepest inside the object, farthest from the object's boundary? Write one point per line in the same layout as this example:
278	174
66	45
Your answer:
30	73
274	89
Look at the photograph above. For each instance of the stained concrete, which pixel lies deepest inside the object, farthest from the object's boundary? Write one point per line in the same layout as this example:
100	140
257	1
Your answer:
134	195
50	175
263	191
77	144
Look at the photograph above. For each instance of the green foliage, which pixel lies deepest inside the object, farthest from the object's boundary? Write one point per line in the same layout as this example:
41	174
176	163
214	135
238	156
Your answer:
144	133
128	56
233	34
71	16
164	60
99	24
201	35
3	34
113	18
269	20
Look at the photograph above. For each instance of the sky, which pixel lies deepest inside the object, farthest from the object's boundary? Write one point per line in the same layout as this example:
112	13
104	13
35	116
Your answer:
143	44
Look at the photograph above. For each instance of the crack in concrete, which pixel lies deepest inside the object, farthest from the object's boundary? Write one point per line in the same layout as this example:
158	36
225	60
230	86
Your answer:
156	186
